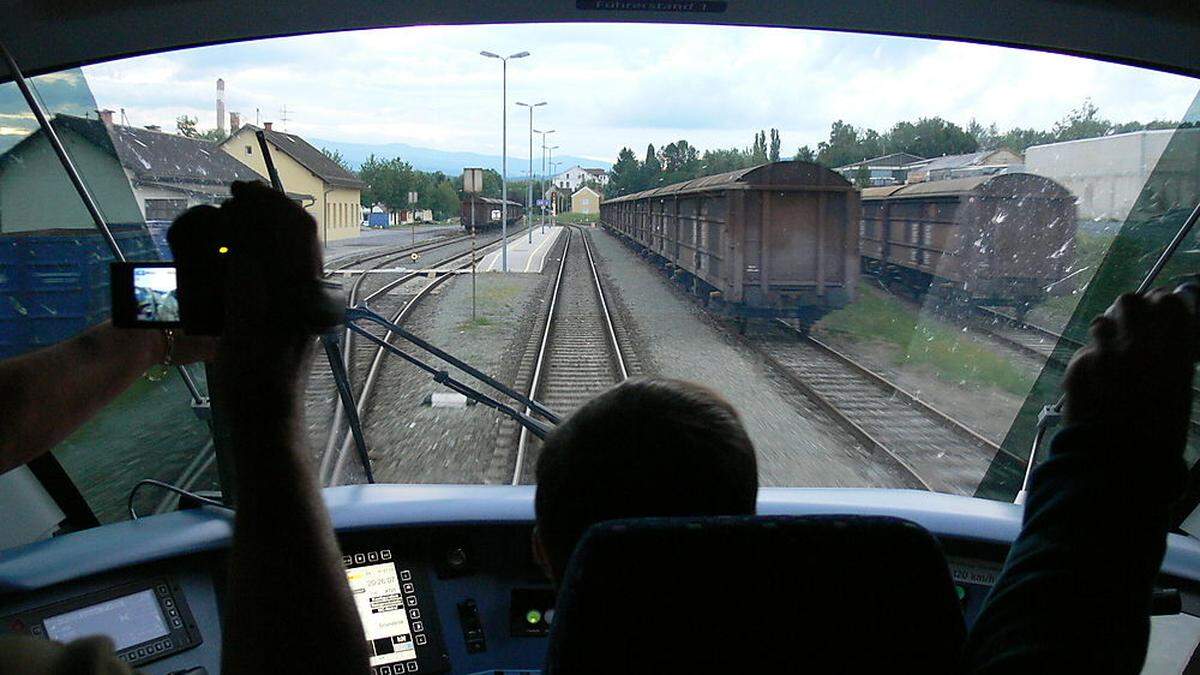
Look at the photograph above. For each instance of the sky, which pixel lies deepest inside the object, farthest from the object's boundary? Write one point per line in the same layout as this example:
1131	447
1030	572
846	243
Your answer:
609	86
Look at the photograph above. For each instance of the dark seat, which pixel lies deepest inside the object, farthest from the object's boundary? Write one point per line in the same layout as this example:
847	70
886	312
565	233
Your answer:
748	594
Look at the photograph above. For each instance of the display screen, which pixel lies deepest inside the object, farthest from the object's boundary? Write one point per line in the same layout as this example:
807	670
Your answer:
386	598
128	620
154	292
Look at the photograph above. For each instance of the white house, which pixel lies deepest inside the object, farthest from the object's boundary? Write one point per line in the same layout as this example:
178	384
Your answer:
574	178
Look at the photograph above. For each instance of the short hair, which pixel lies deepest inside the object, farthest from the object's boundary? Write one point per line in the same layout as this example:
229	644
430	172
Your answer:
647	447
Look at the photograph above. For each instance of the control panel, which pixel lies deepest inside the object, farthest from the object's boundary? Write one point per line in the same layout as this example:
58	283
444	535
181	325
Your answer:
398	615
146	620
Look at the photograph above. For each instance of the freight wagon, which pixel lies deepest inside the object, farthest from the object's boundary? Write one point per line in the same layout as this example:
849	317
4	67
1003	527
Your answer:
774	240
1005	240
488	213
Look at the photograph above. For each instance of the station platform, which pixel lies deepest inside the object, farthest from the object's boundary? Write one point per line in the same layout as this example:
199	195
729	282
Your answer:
524	256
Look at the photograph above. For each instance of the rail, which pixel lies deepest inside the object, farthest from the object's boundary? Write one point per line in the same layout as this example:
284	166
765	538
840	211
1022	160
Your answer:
929	447
543	361
337	449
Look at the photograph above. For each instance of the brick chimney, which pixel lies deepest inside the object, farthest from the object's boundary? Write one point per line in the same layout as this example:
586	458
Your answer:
266	125
235	121
106	115
221	106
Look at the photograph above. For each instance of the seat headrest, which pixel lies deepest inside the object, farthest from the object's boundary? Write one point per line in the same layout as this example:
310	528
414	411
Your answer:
756	594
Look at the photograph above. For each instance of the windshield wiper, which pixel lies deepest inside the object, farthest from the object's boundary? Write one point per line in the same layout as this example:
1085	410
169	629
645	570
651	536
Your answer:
443	377
1050	415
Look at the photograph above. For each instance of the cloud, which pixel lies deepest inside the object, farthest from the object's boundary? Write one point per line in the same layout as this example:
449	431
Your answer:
615	85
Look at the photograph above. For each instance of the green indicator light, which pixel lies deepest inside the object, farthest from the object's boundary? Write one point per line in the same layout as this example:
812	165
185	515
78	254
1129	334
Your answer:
962	592
533	616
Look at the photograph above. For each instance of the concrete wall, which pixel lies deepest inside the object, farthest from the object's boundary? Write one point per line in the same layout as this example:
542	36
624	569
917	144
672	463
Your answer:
35	193
327	208
1107	174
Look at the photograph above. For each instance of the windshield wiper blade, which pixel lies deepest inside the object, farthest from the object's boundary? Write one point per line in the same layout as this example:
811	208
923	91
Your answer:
443	377
354	313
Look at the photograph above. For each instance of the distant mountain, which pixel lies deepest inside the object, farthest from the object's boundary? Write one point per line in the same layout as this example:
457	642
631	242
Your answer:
449	163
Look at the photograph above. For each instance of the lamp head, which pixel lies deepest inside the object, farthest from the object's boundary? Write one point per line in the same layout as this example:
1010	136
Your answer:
519	55
489	55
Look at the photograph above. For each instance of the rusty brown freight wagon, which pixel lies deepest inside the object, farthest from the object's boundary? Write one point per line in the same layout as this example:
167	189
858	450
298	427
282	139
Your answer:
1004	240
776	239
488	213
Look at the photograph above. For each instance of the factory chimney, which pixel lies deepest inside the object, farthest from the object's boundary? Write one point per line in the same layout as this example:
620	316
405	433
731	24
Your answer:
221	106
235	122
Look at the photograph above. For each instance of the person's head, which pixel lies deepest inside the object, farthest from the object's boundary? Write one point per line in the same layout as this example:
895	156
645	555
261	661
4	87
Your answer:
647	447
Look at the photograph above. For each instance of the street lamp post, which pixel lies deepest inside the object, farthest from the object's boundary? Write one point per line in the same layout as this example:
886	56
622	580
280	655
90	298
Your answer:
542	182
554	202
504	151
529	194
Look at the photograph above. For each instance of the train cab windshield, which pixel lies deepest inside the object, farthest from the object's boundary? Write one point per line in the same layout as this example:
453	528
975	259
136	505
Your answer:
880	275
882	251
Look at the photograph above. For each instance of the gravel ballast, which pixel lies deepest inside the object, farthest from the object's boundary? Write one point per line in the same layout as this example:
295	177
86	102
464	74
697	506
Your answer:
411	442
797	444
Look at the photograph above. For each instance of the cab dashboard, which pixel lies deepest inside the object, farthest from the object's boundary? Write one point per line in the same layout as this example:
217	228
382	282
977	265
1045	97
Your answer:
443	576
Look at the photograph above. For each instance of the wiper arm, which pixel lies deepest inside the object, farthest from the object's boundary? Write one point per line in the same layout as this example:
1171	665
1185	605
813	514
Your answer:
443	377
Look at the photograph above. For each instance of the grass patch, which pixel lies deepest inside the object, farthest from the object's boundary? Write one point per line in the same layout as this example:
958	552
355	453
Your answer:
1055	311
572	218
917	340
477	322
495	298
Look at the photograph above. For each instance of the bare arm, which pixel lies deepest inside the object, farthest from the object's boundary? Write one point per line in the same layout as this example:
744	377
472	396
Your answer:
47	394
289	607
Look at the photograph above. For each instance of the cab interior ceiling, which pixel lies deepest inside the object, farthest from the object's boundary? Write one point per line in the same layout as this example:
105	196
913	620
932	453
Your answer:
50	35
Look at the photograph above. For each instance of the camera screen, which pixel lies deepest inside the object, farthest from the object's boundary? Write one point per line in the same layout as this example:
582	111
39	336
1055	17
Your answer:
155	294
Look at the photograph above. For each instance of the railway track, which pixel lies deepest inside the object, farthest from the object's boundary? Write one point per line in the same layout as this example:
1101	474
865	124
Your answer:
935	450
1040	342
579	353
1025	337
374	253
321	393
363	359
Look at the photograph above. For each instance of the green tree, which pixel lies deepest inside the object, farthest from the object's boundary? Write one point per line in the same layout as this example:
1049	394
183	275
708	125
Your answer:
214	135
848	144
680	162
1017	139
862	176
625	177
186	126
651	172
758	152
443	200
805	154
1081	122
929	137
773	154
722	160
336	157
986	137
388	182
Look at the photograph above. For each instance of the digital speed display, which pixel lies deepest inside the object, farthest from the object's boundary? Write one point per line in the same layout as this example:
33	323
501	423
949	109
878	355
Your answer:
128	620
398	624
